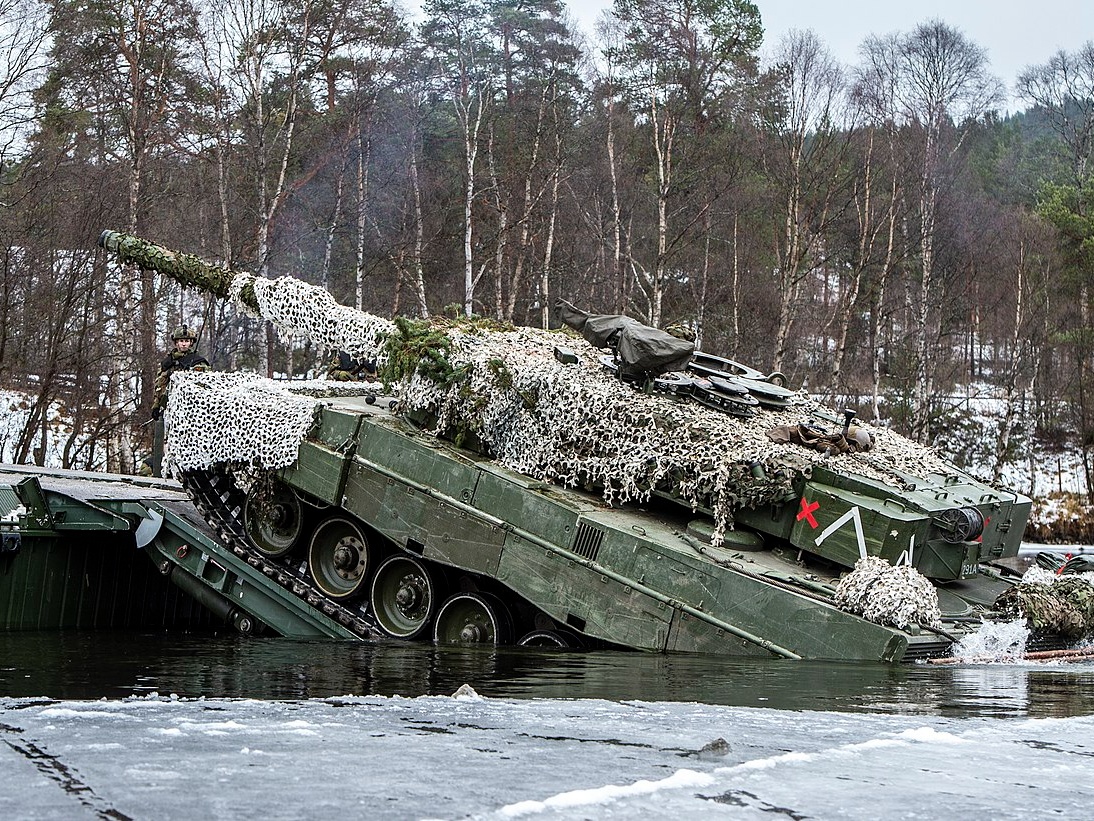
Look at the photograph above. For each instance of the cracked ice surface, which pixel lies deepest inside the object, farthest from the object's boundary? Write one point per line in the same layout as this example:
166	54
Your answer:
444	757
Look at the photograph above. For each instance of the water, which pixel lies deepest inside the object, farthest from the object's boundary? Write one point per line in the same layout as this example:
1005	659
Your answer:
120	665
162	726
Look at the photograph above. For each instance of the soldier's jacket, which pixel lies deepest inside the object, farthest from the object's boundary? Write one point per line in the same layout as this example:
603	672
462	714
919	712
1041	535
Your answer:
175	361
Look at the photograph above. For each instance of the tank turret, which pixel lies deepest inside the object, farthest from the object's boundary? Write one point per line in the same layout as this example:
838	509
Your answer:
519	485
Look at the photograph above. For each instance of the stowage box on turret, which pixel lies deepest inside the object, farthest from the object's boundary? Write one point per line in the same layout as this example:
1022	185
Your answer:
512	485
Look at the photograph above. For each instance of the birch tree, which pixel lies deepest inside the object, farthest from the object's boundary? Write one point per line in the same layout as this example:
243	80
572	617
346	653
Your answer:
807	168
875	97
944	88
1064	89
271	41
937	87
526	149
678	58
464	71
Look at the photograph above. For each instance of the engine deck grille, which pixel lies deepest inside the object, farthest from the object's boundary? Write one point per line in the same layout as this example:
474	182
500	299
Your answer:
587	541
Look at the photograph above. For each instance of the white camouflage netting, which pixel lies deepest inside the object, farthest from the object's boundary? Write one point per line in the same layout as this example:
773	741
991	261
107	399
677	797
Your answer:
897	596
299	309
1041	575
577	425
233	417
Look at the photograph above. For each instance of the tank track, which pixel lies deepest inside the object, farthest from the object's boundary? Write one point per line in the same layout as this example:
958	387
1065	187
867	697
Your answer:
220	503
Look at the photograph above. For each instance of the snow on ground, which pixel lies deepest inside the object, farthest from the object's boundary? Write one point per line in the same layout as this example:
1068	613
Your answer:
460	757
15	408
972	419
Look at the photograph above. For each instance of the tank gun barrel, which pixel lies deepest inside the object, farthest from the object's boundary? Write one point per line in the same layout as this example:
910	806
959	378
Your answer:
185	269
292	305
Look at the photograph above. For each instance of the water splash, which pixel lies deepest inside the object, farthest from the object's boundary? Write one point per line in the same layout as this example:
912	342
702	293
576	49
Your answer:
994	641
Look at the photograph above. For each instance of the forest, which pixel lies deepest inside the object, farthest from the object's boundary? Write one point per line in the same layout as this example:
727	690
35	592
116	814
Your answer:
881	233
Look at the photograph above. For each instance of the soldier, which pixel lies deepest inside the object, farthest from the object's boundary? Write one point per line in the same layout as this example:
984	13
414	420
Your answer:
344	368
184	357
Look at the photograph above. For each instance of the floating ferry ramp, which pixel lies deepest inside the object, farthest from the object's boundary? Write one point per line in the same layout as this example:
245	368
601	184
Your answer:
82	550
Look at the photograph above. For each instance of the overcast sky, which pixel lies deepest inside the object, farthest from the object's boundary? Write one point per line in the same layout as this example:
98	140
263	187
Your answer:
1016	34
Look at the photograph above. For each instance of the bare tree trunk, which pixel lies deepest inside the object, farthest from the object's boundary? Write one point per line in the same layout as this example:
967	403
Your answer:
211	302
37	415
335	217
704	284
213	51
663	148
264	222
502	208
878	304
472	124
617	239
524	247
921	408
789	259
1014	368
270	201
548	253
813	138
419	231
363	152
136	309
867	234
736	286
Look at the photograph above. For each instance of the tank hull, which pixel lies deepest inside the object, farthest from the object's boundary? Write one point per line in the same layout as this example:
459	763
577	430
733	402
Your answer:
624	576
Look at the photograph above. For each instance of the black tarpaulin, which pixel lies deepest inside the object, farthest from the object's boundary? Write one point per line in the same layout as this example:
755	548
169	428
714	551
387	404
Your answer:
642	351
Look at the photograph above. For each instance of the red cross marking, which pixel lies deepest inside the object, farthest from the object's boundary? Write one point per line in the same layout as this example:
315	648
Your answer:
987	521
807	512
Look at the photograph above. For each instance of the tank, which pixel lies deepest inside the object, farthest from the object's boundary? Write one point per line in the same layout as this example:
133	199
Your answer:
502	485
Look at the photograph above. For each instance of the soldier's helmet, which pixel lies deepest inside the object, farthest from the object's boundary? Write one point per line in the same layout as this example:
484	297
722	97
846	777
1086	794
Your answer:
859	438
183	332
